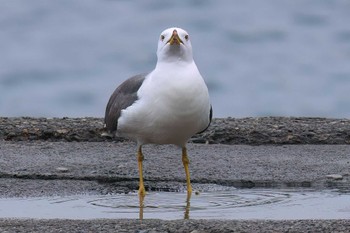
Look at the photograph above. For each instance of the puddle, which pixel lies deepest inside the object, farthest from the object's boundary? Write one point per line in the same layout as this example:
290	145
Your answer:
236	204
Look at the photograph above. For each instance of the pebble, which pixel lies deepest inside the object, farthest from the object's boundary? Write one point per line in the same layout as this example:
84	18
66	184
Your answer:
334	176
62	169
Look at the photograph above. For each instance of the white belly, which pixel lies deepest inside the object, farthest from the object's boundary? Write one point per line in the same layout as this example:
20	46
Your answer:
169	111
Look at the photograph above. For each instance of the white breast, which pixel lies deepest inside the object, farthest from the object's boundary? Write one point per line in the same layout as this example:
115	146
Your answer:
173	105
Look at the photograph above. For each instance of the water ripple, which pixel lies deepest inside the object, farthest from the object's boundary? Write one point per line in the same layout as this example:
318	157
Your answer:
233	204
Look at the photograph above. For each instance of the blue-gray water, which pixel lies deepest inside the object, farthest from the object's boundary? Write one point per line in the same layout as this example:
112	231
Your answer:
239	204
272	57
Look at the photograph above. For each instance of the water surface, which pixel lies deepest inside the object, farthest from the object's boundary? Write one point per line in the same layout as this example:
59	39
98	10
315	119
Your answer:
273	57
238	204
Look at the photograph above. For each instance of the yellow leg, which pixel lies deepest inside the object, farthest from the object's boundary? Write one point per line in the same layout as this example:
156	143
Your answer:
185	162
142	191
188	206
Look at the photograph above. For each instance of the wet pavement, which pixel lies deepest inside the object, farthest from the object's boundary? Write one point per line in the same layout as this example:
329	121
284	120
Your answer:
47	168
41	168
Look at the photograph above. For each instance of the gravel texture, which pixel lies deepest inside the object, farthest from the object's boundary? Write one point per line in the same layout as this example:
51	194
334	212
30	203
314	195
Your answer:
262	130
190	226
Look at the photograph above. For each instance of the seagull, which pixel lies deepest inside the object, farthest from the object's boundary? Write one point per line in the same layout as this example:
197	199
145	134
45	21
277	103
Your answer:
166	106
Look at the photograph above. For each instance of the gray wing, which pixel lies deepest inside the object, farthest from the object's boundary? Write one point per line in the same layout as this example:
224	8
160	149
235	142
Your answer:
124	96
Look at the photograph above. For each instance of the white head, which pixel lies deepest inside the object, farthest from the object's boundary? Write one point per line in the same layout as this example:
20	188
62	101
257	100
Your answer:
174	45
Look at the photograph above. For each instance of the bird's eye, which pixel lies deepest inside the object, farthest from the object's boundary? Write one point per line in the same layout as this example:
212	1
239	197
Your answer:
162	37
186	37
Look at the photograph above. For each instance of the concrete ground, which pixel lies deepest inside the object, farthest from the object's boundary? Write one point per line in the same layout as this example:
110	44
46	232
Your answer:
41	168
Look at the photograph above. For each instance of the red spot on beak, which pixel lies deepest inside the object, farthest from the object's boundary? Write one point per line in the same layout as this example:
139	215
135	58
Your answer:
175	33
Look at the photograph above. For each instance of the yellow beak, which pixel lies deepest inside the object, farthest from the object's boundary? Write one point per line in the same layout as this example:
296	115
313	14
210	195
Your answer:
175	39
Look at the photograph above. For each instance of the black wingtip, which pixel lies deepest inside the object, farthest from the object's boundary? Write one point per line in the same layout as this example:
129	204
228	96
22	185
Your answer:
210	118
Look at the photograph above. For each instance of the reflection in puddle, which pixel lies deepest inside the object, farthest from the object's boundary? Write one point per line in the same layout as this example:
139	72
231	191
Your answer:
236	204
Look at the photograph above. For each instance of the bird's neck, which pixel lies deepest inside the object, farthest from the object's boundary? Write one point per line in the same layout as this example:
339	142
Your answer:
177	64
175	55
